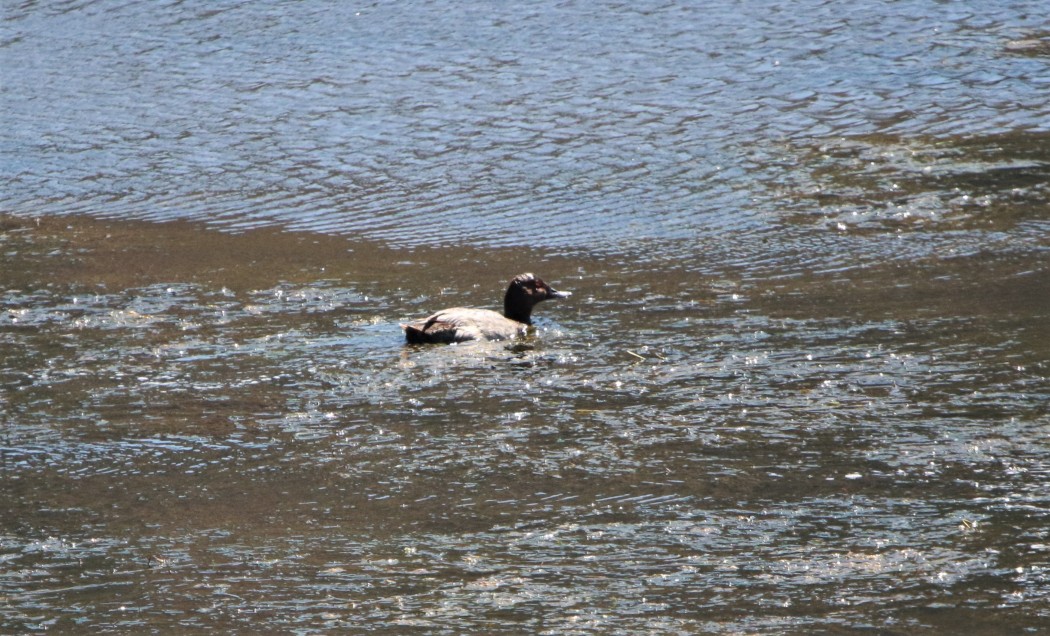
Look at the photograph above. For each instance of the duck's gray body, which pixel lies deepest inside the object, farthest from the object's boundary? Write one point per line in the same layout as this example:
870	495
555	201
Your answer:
462	324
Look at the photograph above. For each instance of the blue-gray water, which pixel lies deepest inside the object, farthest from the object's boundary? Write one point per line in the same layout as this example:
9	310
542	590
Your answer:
801	385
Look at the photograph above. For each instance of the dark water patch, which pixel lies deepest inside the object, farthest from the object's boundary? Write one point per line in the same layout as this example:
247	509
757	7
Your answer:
1034	44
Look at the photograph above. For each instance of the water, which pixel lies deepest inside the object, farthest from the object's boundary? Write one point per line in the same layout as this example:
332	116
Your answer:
801	385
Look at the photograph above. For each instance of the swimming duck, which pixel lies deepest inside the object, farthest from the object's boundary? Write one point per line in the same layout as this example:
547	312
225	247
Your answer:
461	324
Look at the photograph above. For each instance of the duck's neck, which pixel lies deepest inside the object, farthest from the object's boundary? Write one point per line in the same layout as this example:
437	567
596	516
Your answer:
519	311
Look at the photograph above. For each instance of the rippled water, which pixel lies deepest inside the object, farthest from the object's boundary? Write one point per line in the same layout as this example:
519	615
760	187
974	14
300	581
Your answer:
801	386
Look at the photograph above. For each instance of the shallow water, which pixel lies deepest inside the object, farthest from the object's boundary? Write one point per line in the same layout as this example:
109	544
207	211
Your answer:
801	385
261	452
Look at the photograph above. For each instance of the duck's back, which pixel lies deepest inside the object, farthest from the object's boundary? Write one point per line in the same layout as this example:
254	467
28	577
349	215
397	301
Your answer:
461	324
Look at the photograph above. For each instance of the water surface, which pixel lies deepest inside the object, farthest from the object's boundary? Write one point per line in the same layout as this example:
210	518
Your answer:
801	386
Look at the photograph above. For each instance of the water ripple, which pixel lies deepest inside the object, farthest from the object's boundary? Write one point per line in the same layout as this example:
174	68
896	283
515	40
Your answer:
418	136
801	384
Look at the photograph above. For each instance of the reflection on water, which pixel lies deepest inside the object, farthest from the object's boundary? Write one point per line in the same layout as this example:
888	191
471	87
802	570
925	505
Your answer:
801	384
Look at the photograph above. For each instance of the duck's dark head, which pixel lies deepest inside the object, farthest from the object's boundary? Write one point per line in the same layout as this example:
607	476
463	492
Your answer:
524	292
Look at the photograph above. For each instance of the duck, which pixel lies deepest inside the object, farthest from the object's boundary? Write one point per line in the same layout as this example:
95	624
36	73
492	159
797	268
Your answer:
463	324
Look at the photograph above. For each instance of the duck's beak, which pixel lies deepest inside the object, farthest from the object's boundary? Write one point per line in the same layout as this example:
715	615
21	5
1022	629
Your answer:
554	293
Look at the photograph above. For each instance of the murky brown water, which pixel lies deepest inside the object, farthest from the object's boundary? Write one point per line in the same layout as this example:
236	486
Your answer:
801	386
